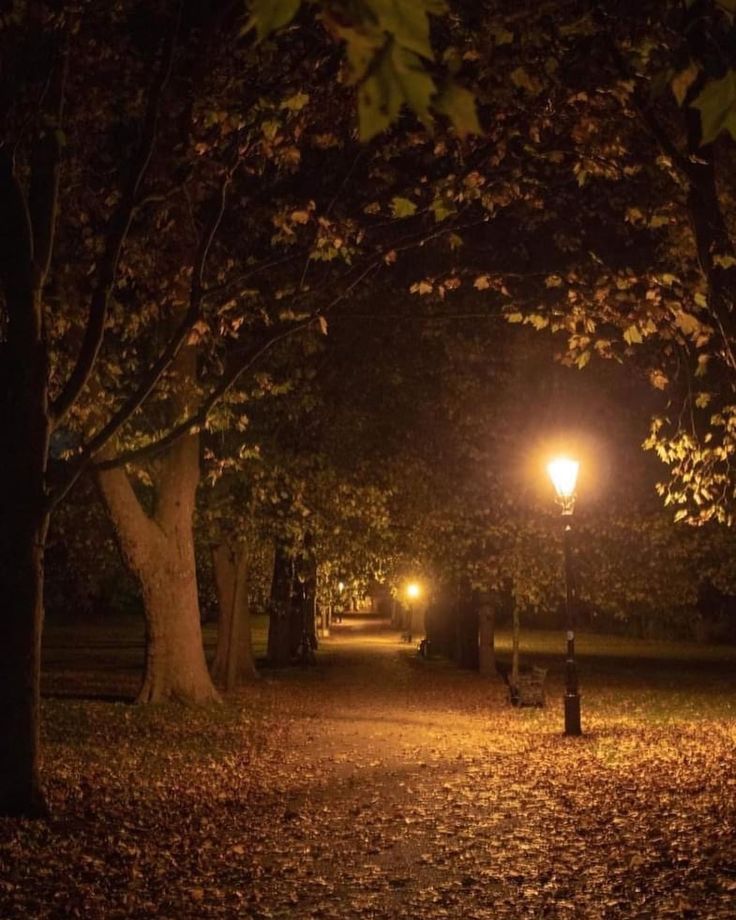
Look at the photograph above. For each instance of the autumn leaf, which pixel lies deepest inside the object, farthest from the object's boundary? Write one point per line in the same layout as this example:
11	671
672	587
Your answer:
658	379
683	80
688	324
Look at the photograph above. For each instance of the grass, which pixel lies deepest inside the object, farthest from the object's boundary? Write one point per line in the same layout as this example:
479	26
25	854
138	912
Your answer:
654	679
103	658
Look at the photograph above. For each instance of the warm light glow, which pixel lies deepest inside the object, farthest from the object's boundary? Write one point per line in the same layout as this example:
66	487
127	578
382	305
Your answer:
564	474
340	586
413	590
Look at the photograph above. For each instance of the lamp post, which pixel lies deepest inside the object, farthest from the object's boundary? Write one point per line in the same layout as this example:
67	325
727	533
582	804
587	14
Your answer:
413	592
564	474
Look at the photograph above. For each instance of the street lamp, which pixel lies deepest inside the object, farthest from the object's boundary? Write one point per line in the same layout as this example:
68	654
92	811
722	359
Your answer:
564	474
413	593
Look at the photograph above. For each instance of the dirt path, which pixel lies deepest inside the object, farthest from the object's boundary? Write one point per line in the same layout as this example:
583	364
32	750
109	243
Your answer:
378	785
410	789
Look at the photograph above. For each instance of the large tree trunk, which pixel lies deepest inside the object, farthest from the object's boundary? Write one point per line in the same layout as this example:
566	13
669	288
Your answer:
24	422
233	662
23	526
159	551
466	625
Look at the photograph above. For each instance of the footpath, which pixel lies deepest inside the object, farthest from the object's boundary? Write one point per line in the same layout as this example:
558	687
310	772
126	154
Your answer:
410	789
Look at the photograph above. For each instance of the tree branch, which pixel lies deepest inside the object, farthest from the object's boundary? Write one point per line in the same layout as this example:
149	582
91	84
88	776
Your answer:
136	399
199	417
116	237
649	119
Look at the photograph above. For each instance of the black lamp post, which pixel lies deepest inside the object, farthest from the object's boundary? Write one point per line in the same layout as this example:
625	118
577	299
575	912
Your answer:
413	592
564	473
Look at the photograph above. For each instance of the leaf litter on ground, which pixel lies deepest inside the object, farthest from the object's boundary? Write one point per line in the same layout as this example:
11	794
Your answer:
391	787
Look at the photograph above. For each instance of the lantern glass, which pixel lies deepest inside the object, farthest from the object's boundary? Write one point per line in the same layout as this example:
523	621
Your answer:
564	475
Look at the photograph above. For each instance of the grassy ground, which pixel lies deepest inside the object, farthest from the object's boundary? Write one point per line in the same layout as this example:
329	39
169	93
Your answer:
103	658
378	785
659	679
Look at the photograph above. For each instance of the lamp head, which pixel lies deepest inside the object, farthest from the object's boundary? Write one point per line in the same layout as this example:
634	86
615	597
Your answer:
413	590
564	475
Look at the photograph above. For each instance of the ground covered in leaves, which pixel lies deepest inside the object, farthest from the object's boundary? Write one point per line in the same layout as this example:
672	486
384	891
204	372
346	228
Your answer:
380	785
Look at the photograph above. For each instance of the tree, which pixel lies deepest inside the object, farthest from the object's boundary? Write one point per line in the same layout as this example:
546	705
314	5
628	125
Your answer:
57	111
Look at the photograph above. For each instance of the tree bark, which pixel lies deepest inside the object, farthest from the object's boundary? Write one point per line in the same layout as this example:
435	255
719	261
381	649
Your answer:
281	608
308	639
233	662
23	527
466	631
24	422
159	551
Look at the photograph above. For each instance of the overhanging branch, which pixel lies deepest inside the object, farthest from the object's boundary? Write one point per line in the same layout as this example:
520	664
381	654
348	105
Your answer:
136	399
116	236
198	418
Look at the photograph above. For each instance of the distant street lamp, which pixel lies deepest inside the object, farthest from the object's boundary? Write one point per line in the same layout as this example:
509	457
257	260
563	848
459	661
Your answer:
413	593
564	474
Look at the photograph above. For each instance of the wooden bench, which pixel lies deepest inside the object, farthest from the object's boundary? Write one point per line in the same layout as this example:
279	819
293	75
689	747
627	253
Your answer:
530	689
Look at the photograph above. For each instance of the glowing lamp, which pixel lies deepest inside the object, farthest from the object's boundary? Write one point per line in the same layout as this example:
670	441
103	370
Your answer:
413	590
564	475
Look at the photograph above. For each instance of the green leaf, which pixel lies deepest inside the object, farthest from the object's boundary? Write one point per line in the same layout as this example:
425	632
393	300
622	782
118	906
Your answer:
402	207
406	21
717	107
266	16
458	104
396	77
442	209
417	87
